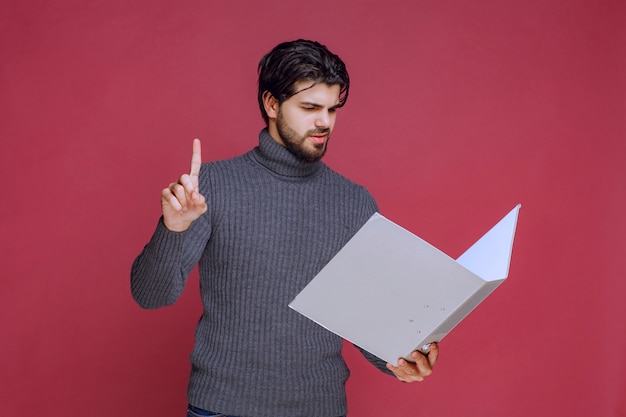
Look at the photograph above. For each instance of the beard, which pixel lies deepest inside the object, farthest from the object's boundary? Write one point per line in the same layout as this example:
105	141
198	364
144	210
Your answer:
296	143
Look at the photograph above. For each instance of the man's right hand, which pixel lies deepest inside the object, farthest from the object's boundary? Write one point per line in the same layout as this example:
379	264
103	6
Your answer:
182	202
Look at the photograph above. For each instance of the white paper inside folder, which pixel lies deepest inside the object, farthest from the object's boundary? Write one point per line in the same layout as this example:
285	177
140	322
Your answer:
390	292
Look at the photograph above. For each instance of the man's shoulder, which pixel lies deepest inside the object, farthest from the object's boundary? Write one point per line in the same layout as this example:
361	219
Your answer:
342	180
349	188
234	162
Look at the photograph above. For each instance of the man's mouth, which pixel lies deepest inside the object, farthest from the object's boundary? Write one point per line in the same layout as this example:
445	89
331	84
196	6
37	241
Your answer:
318	138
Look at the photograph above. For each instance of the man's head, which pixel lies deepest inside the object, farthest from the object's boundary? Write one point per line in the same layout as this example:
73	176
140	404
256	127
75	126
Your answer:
296	61
301	84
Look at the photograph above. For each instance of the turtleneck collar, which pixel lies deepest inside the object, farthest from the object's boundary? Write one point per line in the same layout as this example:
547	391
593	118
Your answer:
280	161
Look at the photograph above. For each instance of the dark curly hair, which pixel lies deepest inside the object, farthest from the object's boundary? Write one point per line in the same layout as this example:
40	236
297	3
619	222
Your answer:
300	60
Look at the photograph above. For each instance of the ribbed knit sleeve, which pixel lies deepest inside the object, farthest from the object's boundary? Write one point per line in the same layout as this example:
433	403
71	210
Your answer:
375	360
159	273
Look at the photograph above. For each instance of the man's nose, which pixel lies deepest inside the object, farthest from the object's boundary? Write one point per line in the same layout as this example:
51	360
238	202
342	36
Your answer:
323	119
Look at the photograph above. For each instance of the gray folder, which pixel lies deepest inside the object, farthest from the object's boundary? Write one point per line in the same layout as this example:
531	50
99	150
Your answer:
390	292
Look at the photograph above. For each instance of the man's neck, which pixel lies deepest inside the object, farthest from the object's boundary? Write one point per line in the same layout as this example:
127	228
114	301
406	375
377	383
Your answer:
273	131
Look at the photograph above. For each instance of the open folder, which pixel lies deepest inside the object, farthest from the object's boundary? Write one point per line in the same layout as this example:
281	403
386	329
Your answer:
390	292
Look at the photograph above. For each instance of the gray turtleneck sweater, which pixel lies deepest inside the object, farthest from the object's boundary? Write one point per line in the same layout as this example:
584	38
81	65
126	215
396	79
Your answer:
273	222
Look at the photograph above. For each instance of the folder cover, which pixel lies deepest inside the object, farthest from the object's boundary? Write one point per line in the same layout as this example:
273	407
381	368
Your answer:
390	292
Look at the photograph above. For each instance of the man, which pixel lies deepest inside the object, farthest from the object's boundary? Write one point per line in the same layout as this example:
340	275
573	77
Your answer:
261	226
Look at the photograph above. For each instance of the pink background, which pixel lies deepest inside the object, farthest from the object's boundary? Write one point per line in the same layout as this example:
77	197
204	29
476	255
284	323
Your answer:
458	111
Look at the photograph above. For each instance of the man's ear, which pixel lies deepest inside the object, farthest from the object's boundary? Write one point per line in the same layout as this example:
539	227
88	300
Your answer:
270	104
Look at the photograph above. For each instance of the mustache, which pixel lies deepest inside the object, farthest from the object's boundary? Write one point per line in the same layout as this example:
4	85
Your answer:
320	131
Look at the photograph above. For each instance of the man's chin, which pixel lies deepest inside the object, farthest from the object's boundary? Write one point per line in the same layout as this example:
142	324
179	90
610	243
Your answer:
310	155
318	151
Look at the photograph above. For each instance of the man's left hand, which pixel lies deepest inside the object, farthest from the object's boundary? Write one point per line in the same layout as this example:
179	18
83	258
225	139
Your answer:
422	367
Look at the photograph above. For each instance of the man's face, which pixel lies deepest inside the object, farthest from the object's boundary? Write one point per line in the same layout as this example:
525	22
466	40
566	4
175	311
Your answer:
305	121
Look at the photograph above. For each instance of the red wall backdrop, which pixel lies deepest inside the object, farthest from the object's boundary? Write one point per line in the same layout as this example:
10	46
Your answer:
459	110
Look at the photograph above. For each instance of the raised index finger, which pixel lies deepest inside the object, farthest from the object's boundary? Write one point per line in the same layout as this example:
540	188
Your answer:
196	158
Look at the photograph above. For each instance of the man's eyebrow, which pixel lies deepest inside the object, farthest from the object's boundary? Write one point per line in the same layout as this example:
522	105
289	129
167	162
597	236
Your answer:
317	105
311	104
